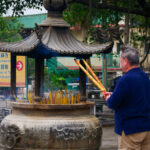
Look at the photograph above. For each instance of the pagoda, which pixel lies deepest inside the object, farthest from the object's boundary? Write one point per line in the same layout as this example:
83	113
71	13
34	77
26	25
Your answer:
51	38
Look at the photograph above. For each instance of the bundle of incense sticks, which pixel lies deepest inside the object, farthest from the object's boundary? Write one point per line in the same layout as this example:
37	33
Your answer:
19	100
57	97
91	76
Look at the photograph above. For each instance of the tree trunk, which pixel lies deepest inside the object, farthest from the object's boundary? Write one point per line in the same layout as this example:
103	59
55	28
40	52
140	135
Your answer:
126	38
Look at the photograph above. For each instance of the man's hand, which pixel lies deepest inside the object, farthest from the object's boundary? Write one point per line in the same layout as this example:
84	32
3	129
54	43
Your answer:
107	95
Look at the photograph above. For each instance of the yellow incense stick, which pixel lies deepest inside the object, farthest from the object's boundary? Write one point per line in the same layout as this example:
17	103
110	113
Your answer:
61	92
92	79
78	98
65	94
72	99
16	98
50	97
89	68
56	97
63	99
29	98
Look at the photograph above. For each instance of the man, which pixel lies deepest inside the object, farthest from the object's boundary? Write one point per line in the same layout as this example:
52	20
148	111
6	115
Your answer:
131	102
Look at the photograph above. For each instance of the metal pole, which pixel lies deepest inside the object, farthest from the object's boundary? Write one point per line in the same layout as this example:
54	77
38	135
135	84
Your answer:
26	77
104	70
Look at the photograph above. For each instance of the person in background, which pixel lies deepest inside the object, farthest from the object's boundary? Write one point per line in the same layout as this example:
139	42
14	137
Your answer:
131	102
114	82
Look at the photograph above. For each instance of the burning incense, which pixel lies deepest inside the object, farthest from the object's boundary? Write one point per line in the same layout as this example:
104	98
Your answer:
92	79
78	98
50	97
65	95
72	99
29	97
57	97
89	68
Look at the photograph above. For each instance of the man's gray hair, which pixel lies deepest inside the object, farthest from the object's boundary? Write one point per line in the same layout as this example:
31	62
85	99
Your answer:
131	54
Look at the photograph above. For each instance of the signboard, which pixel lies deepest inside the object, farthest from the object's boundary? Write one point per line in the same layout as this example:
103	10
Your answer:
21	71
5	71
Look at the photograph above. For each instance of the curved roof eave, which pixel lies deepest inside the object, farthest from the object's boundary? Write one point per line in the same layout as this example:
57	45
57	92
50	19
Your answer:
55	40
23	46
62	41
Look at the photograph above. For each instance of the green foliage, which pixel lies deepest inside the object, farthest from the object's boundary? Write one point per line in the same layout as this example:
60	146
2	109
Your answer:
57	79
31	67
139	30
139	21
105	17
128	3
77	13
9	29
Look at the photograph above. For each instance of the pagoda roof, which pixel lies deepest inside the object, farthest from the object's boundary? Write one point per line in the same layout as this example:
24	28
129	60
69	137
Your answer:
22	46
54	41
54	38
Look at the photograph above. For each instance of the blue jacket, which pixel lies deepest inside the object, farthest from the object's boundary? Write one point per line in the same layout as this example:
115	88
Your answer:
131	102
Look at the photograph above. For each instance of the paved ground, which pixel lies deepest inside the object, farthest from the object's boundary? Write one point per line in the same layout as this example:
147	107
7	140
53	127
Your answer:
2	104
109	139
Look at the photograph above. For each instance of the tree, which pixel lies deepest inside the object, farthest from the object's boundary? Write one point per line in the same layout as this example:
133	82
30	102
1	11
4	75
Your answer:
18	6
138	7
57	79
9	29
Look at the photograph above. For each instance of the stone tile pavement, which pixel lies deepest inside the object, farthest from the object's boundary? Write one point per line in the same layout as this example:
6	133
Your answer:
109	139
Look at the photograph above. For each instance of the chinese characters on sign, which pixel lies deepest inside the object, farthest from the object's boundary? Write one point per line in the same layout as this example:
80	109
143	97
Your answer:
5	70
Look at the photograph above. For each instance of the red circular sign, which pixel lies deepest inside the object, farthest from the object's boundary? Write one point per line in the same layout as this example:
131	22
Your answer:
19	65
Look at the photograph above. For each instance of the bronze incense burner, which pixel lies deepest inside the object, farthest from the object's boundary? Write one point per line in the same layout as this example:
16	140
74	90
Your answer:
63	127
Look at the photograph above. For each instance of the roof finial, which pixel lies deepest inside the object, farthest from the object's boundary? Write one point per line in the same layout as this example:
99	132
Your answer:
54	7
54	17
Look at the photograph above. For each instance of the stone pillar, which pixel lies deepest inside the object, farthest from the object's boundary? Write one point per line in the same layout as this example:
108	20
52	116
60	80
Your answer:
82	83
13	75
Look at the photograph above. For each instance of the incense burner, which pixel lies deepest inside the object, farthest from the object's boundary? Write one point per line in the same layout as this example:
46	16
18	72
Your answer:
63	127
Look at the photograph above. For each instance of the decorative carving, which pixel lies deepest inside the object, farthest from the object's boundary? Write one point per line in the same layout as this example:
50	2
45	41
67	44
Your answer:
10	136
74	133
115	33
38	31
100	35
109	34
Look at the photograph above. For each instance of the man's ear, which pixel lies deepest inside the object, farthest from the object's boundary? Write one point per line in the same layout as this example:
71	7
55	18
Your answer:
127	61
